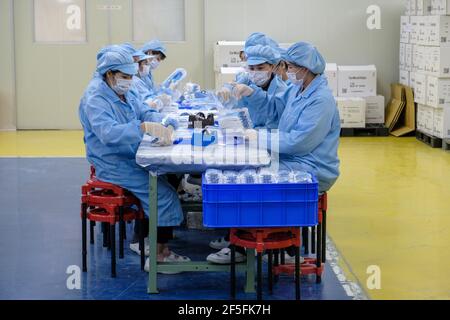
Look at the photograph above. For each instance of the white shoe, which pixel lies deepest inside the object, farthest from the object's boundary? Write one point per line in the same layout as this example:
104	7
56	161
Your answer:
219	244
135	247
287	259
173	257
224	257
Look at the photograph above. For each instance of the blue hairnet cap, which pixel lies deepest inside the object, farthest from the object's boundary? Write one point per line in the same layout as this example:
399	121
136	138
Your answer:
106	49
306	55
155	45
282	52
117	61
128	47
262	54
140	55
261	39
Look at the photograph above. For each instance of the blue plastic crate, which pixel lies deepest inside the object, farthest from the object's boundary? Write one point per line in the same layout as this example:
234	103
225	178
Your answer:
260	205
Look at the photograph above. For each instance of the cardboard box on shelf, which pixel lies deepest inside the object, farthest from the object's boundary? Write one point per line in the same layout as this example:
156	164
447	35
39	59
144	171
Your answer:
409	57
375	110
226	75
446	119
226	54
418	58
440	7
404	77
420	88
424	7
331	73
423	30
352	112
357	81
402	56
405	29
414	30
413	7
425	119
439	61
438	123
438	31
412	80
438	92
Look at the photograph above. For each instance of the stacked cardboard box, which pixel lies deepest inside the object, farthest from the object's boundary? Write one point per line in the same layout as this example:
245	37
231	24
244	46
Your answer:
355	87
357	97
425	62
228	62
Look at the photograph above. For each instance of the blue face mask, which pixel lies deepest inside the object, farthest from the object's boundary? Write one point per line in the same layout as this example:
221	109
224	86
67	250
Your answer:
154	64
122	86
293	78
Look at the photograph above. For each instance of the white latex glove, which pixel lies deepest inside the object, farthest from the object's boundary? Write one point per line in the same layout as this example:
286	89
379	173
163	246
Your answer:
224	94
241	90
251	134
165	99
155	104
159	131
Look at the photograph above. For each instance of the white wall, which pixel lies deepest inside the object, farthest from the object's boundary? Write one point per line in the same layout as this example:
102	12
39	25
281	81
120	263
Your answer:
7	93
337	28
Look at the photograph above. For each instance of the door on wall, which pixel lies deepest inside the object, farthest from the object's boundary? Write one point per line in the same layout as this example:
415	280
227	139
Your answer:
56	42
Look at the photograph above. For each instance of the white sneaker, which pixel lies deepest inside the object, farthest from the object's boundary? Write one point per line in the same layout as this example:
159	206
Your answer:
172	258
219	244
287	259
135	247
224	257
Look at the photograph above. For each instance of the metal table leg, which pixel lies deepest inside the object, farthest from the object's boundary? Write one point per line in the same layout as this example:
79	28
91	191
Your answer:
259	276
233	272
84	227
270	271
324	236
153	230
250	269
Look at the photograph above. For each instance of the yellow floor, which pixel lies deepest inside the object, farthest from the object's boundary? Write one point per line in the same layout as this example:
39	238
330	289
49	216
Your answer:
390	208
42	144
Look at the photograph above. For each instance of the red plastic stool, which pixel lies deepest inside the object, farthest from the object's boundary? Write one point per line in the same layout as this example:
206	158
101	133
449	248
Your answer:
311	265
265	239
109	204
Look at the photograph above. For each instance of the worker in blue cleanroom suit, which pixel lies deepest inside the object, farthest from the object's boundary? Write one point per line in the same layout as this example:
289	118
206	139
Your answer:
256	38
309	122
309	125
143	72
113	126
261	61
158	53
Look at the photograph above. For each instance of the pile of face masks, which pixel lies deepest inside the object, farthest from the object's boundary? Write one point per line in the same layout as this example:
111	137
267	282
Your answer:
235	119
262	176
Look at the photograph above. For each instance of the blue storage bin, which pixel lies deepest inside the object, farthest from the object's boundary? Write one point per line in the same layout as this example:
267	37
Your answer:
260	205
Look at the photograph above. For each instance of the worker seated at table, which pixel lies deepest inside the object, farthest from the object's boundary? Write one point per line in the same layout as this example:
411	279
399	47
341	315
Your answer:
309	125
158	53
114	120
261	64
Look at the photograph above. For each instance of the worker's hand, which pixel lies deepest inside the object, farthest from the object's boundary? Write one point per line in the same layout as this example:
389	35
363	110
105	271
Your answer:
159	131
224	94
170	122
242	90
155	104
251	134
165	99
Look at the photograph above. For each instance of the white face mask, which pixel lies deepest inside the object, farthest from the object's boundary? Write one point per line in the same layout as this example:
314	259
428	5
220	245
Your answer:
122	86
259	78
145	70
293	78
154	64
